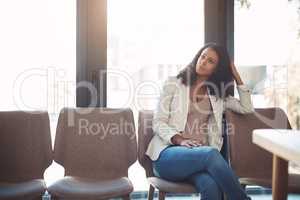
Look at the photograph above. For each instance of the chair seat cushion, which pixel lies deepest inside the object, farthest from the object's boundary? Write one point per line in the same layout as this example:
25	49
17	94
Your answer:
83	188
169	186
22	190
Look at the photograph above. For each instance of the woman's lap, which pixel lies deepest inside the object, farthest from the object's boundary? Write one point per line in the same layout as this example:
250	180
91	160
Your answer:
177	163
200	165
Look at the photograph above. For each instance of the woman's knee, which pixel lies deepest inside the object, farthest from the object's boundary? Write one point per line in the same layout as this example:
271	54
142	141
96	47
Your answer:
214	156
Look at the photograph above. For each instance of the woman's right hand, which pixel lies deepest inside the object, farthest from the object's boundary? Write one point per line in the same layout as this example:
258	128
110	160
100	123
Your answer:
179	140
190	143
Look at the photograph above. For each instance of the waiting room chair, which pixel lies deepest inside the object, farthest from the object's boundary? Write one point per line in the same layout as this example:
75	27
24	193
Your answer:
96	146
25	153
251	163
145	134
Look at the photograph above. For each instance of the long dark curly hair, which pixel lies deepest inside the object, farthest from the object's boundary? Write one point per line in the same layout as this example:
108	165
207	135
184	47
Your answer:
219	82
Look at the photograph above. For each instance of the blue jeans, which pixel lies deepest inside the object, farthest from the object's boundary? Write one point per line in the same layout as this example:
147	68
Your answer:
204	167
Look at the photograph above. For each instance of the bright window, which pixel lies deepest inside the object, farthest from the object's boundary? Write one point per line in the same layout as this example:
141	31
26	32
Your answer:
38	58
147	42
263	37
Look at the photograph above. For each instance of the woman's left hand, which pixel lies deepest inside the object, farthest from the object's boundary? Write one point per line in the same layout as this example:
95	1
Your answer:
235	73
233	69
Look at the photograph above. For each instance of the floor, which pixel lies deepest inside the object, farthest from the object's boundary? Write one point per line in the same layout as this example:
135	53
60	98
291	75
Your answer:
258	195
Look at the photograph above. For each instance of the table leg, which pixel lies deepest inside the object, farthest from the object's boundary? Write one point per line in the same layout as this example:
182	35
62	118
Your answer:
279	178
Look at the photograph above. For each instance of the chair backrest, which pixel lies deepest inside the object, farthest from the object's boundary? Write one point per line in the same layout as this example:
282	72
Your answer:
145	134
95	142
247	159
25	145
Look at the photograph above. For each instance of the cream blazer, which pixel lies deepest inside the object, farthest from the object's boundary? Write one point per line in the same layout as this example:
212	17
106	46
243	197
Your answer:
171	114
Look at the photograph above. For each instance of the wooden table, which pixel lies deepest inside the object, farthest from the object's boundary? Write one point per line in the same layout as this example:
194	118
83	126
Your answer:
285	146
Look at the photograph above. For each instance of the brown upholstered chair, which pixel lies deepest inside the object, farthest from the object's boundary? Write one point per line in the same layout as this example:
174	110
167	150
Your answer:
145	134
25	153
251	163
96	146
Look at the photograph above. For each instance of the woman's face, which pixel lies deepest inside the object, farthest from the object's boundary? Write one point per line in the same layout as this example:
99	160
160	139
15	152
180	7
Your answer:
207	62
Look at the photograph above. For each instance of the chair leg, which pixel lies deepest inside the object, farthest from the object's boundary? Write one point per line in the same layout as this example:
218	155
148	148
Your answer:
151	192
161	195
126	197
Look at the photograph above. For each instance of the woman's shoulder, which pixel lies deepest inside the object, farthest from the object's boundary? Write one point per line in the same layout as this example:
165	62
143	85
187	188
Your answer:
172	83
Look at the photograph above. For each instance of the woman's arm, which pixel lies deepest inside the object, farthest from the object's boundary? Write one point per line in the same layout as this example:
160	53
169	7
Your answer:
244	105
160	124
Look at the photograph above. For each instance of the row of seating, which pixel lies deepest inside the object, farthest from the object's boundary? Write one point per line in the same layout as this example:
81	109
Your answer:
96	146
